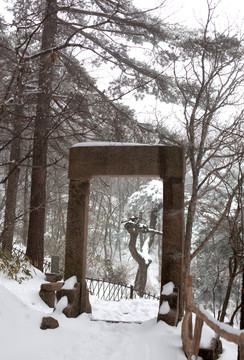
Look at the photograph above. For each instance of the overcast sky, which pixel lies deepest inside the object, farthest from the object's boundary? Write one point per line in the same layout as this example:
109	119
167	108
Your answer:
189	12
192	12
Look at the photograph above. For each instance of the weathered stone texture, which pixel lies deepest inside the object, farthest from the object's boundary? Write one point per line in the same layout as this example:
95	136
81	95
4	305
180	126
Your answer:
51	277
52	286
77	228
172	317
48	292
213	352
49	323
73	295
129	160
48	297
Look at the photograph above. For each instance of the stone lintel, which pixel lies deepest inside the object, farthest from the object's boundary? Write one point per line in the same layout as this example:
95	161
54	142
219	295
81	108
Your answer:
126	161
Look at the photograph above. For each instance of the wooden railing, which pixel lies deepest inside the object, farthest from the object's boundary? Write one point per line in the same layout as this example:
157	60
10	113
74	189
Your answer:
191	340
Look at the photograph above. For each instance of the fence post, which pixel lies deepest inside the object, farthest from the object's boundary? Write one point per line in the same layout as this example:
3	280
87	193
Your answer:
197	336
241	348
189	302
131	291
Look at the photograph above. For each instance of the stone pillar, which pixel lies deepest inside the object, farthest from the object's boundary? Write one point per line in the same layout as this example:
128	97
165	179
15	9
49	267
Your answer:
76	234
173	238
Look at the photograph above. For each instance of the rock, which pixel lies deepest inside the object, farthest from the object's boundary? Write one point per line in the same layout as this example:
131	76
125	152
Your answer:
49	323
171	317
52	286
51	277
73	295
213	352
48	297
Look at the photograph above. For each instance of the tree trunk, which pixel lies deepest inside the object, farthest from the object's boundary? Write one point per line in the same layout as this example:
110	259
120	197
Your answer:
13	177
141	276
35	244
191	211
11	196
232	275
242	303
26	204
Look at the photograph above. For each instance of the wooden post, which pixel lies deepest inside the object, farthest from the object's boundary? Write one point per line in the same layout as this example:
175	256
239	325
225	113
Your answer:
186	332
185	336
197	336
189	302
241	347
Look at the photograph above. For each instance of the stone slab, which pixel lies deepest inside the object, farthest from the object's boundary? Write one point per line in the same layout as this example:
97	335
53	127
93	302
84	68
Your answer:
130	160
51	277
52	286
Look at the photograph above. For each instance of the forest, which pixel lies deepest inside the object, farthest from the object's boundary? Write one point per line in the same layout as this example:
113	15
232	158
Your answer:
70	72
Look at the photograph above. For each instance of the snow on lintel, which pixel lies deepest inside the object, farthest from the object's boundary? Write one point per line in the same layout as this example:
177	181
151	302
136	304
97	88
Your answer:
104	143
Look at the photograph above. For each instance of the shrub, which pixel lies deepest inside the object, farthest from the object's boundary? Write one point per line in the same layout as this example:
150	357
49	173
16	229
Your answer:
118	274
15	267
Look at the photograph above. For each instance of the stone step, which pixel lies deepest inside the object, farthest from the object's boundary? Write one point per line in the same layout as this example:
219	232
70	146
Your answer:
51	277
52	286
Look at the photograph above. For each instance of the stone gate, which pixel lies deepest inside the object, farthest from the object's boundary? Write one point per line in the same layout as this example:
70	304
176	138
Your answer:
88	160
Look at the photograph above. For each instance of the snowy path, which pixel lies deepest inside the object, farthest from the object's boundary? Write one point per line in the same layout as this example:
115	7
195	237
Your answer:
21	312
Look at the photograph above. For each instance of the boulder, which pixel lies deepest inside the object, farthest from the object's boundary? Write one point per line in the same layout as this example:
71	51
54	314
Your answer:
172	316
48	297
73	295
213	352
49	323
48	292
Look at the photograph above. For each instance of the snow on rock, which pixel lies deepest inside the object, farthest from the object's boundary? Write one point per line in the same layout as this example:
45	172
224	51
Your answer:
168	288
164	308
62	303
70	283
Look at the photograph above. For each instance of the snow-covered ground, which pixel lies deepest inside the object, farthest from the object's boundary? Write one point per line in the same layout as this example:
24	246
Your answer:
21	312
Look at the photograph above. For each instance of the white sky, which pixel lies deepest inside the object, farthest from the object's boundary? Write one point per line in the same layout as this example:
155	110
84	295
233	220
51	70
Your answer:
229	14
191	12
187	12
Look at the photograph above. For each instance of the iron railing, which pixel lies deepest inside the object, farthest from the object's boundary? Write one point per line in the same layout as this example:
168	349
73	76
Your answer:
106	290
103	289
21	254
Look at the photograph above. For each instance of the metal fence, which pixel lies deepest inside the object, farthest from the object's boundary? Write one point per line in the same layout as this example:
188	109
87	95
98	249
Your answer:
103	289
21	254
106	290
